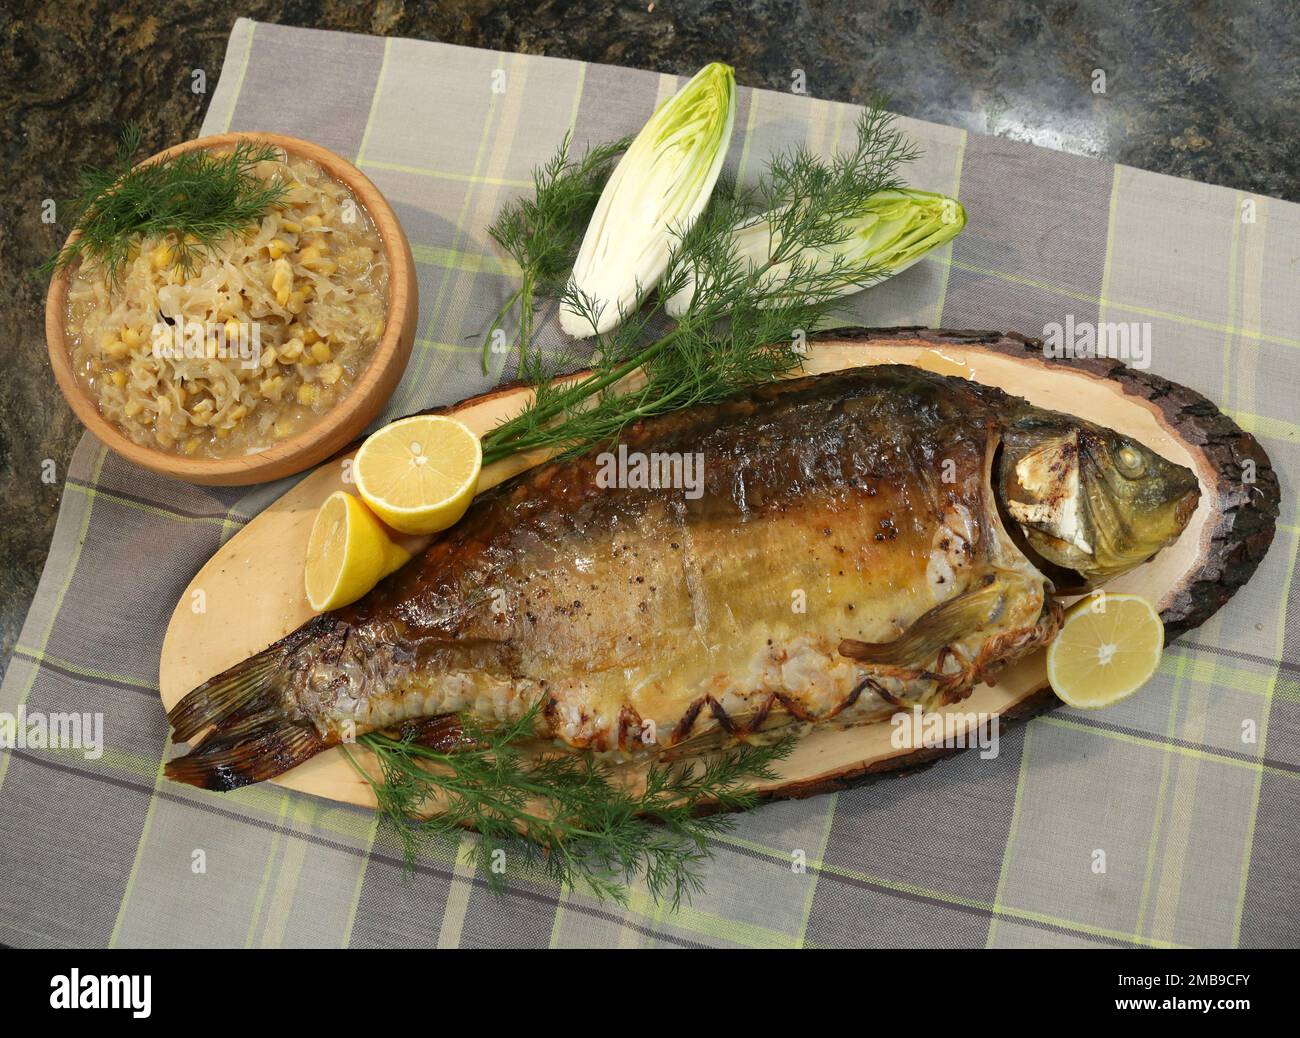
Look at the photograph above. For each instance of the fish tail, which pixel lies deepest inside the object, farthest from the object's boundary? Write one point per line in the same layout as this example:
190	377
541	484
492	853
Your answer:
253	736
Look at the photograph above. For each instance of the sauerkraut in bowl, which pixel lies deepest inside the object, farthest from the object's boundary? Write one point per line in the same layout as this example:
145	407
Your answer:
263	336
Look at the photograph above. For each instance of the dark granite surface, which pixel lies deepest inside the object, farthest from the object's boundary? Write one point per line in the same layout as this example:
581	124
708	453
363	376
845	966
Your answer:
1208	90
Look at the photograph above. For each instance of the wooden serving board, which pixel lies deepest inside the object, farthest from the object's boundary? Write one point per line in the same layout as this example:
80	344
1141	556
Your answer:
253	586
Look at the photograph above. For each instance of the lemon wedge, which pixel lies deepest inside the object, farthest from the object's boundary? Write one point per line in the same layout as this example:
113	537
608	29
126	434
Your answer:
419	474
348	553
1106	650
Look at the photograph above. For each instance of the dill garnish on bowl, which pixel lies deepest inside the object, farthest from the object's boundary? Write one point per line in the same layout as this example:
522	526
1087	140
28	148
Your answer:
198	196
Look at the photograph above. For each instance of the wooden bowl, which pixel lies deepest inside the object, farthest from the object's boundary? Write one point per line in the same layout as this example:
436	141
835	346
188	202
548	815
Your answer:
333	430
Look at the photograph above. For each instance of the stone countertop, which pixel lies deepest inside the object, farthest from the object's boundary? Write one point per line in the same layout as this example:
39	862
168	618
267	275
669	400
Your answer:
1193	88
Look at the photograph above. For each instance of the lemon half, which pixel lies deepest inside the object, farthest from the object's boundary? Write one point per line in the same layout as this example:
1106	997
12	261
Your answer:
419	474
348	553
1106	650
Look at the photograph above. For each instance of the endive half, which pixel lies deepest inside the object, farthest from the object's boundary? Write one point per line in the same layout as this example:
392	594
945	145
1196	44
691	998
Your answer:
660	187
897	228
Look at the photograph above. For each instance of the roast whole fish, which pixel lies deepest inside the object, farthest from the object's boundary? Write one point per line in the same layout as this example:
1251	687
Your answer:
854	542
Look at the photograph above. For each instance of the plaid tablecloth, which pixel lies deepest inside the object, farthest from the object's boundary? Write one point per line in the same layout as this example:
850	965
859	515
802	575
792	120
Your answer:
1199	825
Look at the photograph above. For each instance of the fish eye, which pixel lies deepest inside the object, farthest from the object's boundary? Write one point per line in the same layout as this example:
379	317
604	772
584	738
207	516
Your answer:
1130	462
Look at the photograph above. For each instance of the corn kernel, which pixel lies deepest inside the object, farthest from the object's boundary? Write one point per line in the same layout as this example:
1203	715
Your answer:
282	281
191	445
291	351
161	257
277	248
320	352
116	349
237	414
309	336
131	337
310	255
312	221
331	373
292	226
307	395
296	301
119	378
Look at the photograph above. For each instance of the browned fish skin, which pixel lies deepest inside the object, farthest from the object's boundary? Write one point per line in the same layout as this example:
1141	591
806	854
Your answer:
840	479
837	511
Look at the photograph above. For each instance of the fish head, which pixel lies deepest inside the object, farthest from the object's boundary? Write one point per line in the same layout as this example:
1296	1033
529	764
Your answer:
1089	501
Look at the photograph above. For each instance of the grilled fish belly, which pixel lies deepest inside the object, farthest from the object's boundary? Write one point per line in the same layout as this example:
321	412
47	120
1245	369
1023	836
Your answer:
842	556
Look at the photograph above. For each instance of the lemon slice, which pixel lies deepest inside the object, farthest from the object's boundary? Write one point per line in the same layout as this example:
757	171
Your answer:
348	553
419	474
1106	650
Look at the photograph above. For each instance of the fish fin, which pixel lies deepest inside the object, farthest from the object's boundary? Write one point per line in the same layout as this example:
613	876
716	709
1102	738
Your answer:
933	631
443	732
231	691
227	762
253	738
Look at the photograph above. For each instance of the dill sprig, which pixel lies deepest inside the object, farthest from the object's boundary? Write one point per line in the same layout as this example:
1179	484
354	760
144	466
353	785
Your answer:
742	327
543	233
198	196
565	814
